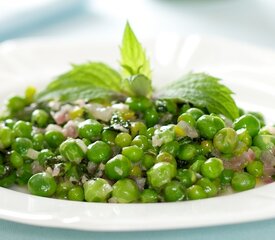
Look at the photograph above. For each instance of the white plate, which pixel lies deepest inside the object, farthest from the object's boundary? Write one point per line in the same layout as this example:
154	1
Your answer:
249	71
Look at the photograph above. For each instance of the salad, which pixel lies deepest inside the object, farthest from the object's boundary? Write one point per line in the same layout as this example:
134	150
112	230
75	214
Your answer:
96	134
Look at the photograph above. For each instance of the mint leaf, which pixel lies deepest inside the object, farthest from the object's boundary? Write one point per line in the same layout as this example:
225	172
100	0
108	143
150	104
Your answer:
202	90
133	57
86	81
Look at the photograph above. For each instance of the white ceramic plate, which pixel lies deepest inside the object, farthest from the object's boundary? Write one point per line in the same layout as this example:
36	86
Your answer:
249	71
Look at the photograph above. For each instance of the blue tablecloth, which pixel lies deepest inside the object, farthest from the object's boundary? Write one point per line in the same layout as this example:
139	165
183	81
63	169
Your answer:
257	230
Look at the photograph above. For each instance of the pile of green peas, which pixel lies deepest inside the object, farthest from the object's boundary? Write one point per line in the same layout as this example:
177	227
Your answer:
152	151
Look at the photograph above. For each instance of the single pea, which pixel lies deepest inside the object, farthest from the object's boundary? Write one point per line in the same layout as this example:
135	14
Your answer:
166	157
243	136
16	103
259	116
109	136
76	194
212	168
38	141
62	189
172	147
255	168
187	177
148	161
30	94
264	142
196	192
54	138
22	145
97	190
42	184
187	152
6	137
40	118
195	112
8	181
249	122
151	117
243	181
226	176
22	129
149	196
209	187
139	104
133	153
125	191
225	140
196	165
16	159
138	128
72	150
118	167
90	129
136	172
208	126
206	146
160	174
184	108
188	118
123	139
44	155
99	151
24	173
141	141
173	191
150	132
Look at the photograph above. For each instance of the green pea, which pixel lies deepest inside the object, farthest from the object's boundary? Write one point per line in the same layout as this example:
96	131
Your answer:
38	141
196	165
22	129
16	159
259	116
172	147
109	136
187	177
195	112
173	191
118	167
206	146
97	190
139	104
226	140
10	123
255	168
90	129
125	191
243	136
24	173
184	108
239	149
226	176
138	128
196	192
212	168
22	145
249	122
62	189
208	126
160	174
123	139
40	118
166	105
148	161
188	118
42	184
99	152
141	141
149	196
150	132
16	103
243	181
136	172
134	153
209	187
54	138
6	137
264	142
71	150
166	157
8	181
187	152
44	155
151	117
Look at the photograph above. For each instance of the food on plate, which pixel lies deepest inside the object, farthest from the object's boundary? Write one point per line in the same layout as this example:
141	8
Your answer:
96	134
